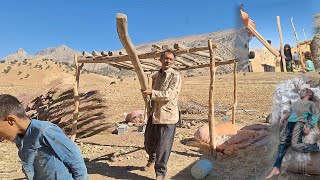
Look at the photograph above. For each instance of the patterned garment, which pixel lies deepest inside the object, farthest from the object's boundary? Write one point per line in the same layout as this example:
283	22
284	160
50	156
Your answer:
304	111
292	136
164	99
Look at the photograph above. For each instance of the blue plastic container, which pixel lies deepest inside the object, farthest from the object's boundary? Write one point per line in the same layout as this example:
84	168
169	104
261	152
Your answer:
201	169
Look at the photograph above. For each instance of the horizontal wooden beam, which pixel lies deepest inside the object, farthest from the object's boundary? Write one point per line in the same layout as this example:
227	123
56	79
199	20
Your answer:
191	59
183	62
119	66
305	42
149	55
208	65
199	53
142	65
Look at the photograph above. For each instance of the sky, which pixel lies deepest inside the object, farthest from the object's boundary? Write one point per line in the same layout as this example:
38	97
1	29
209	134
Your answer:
90	25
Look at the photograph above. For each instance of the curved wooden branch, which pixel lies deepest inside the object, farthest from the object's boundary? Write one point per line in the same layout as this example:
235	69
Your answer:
122	29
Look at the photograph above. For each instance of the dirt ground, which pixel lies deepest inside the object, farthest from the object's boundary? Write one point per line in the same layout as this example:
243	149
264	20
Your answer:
254	104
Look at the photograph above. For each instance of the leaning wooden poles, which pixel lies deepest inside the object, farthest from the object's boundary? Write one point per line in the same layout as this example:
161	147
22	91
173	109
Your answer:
76	100
235	97
211	97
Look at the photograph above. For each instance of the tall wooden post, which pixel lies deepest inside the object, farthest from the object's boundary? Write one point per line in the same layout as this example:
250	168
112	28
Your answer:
211	97
76	100
235	99
281	45
122	29
298	45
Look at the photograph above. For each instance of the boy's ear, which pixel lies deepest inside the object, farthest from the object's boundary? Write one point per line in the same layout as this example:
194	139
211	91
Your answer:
11	119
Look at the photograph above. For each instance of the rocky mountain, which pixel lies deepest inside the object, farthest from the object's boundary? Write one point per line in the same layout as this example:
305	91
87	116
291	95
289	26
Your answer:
232	44
20	55
61	53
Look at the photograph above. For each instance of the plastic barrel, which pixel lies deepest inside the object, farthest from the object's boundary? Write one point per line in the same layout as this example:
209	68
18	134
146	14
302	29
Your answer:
201	169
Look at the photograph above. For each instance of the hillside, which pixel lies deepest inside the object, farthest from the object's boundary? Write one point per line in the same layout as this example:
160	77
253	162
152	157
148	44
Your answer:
231	44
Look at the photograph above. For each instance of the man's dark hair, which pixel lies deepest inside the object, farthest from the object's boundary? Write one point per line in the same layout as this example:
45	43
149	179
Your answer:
11	105
269	41
167	51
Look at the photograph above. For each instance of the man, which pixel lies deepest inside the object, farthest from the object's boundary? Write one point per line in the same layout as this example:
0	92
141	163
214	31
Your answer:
163	116
268	60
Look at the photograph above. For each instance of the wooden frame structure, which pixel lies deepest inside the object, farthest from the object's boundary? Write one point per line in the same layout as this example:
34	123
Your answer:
145	62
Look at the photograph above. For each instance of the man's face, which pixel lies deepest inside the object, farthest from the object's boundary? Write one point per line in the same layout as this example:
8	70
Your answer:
8	130
167	60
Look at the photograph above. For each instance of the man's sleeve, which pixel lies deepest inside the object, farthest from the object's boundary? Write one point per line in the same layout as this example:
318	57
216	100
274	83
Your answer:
67	151
314	114
172	91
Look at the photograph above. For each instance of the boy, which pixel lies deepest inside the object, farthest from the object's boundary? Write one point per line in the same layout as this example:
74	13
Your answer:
44	149
303	117
308	62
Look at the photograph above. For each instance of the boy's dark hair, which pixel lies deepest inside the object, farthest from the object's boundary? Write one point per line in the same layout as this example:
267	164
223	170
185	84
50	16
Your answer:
269	41
306	92
308	55
167	51
11	105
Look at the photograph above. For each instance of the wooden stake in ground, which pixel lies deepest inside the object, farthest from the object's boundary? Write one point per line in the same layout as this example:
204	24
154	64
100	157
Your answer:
281	45
298	45
235	99
76	100
211	97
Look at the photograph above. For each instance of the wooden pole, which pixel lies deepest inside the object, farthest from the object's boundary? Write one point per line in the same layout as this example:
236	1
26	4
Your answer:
298	45
281	45
122	29
211	97
263	41
235	100
304	34
76	100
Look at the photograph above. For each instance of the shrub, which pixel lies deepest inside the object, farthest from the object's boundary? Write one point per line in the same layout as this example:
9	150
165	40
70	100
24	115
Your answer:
19	72
27	76
7	70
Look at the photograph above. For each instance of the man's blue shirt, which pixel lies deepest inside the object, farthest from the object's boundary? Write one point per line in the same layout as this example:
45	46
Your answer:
47	153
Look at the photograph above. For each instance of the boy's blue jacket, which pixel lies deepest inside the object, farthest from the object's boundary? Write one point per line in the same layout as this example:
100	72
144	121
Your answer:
47	153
